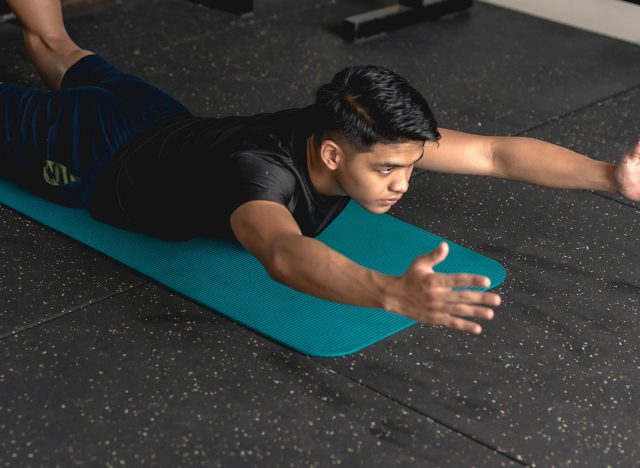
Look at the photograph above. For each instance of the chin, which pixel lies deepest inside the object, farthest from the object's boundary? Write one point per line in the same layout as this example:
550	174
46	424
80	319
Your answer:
377	209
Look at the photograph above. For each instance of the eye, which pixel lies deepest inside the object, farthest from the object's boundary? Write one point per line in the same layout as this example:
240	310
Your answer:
386	170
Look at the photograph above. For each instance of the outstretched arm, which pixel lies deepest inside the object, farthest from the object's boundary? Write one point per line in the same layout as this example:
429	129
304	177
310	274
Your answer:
532	161
268	230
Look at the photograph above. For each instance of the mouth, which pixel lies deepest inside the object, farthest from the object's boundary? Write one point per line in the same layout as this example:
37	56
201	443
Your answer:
390	201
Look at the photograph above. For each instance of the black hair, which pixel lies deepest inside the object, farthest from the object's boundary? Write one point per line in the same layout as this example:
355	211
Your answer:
369	104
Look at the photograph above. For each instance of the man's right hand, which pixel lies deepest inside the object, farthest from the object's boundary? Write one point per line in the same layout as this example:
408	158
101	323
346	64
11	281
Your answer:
269	231
426	296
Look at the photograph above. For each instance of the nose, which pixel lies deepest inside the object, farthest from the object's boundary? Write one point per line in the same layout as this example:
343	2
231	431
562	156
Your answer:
399	185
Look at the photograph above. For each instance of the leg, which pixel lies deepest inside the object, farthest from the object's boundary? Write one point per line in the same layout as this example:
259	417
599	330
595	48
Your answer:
46	39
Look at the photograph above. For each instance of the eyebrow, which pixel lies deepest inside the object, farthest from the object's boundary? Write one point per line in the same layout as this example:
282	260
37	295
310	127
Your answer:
390	164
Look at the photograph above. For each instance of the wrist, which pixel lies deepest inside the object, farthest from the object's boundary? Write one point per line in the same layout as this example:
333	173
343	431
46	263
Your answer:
609	182
385	290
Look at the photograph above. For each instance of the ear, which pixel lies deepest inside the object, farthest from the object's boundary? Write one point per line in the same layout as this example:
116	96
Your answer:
331	154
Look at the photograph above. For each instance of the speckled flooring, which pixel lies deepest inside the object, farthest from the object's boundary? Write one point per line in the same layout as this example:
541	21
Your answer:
102	367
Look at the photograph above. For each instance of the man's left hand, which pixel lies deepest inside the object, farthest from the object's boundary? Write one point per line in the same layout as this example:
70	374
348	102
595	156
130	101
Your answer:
627	174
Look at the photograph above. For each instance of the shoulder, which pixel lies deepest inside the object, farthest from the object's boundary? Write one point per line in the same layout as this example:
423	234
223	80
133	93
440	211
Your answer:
263	171
254	160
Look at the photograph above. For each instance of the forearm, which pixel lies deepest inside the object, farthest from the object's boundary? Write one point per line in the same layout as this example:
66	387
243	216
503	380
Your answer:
548	165
309	266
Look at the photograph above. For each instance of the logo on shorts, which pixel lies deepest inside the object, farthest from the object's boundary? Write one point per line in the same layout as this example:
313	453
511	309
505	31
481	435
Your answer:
57	174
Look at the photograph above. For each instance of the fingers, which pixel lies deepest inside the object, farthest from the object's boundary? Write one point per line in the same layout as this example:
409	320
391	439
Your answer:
438	303
474	297
436	256
465	310
633	153
465	304
452	315
458	324
458	280
449	280
465	325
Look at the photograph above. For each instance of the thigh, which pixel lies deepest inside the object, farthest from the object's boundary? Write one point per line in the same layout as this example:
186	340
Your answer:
53	142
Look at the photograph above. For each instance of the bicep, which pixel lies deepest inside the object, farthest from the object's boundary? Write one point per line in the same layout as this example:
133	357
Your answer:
259	225
459	153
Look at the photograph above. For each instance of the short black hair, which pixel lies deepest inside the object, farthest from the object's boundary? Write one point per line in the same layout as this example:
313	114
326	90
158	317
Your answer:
369	104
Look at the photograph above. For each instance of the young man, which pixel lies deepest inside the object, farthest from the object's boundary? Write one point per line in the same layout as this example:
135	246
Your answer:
136	158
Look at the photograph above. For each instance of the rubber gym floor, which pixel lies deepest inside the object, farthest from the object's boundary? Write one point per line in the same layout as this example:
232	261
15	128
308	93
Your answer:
103	367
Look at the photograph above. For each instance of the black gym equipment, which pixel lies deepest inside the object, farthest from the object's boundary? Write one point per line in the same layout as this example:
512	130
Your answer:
406	12
238	7
370	24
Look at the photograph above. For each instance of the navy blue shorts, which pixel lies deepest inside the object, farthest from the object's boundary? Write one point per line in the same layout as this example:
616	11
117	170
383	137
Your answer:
57	143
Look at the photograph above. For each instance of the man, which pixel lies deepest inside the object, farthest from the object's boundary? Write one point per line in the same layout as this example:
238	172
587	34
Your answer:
136	158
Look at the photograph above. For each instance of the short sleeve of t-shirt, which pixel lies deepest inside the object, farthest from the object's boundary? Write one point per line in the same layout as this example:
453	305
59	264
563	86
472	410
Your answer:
259	177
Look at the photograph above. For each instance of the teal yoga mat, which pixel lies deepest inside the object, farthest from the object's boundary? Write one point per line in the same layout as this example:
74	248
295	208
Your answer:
228	279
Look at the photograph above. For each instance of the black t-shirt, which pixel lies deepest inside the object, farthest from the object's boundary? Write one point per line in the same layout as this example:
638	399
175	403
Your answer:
185	177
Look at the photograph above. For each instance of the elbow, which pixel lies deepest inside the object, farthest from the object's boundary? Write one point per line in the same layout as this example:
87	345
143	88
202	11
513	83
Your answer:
282	256
275	273
492	155
276	262
496	150
505	155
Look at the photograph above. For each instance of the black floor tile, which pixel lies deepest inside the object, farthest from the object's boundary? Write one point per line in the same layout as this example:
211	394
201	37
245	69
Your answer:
551	379
149	379
549	382
126	33
604	131
15	66
488	71
44	274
